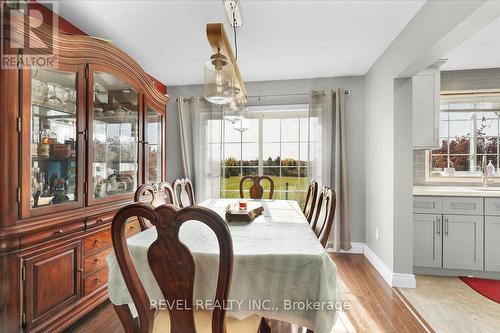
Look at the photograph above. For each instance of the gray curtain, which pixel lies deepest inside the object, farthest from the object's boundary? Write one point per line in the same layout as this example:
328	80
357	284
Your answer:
201	132
328	156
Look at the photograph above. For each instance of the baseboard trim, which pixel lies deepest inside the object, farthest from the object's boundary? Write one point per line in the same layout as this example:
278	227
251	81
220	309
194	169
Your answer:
395	280
357	248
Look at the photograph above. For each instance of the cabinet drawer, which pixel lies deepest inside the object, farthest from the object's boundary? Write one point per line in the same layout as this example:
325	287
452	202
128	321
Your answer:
463	206
96	261
99	219
97	241
492	206
132	228
431	205
94	281
52	233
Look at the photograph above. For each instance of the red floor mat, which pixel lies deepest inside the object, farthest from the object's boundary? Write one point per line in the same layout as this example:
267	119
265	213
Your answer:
487	288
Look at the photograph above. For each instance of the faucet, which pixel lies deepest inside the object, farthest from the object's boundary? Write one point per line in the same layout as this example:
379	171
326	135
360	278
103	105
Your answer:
484	172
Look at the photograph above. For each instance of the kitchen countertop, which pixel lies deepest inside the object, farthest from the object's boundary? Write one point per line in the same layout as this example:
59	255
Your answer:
456	191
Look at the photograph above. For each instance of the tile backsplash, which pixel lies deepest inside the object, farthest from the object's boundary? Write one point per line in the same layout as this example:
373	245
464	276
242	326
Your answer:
419	167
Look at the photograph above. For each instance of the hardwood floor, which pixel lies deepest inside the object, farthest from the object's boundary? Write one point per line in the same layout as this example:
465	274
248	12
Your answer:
374	306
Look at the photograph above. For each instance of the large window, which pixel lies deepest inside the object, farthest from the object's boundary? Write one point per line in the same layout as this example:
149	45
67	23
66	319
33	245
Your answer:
276	144
469	130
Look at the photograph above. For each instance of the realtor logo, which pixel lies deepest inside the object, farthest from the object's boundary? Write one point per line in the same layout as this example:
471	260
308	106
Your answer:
29	34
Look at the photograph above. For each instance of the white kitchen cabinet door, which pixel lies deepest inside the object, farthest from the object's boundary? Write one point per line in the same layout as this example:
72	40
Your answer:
463	242
492	243
427	240
426	87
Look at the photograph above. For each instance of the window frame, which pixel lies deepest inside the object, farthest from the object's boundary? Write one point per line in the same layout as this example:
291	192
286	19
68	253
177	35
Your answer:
261	113
473	175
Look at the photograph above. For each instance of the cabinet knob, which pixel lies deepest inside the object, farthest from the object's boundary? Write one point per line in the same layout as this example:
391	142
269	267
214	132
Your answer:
58	232
99	221
97	242
132	228
97	280
97	261
80	270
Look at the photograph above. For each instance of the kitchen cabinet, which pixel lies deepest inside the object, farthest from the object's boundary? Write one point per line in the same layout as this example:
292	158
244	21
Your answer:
426	88
427	245
463	242
52	280
449	233
492	243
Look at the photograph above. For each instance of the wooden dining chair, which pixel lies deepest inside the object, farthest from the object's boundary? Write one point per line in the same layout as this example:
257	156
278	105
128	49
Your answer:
324	214
173	268
256	190
154	195
309	205
184	192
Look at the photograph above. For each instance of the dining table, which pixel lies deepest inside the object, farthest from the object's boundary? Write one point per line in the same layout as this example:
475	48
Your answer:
280	269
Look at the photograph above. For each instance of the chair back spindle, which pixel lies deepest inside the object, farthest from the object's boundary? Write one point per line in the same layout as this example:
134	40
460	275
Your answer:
324	215
310	203
256	190
184	192
154	195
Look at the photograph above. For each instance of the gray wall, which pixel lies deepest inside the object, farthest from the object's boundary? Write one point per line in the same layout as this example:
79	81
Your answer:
425	39
470	79
355	107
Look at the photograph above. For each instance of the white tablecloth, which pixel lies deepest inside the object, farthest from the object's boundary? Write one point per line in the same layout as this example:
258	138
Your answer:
280	269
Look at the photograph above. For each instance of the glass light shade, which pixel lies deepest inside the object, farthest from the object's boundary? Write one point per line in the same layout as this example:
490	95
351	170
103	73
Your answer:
242	125
231	114
219	77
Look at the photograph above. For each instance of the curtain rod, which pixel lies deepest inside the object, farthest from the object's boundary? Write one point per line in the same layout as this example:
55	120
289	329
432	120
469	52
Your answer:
320	92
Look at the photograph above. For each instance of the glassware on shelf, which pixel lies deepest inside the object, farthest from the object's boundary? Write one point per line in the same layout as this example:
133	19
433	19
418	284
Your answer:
54	137
39	91
46	138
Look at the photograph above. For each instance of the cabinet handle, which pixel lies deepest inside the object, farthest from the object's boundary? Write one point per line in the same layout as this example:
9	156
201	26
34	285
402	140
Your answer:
97	280
79	270
438	220
446	227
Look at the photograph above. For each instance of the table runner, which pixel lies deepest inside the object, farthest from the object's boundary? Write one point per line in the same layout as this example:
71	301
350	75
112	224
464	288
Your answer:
280	269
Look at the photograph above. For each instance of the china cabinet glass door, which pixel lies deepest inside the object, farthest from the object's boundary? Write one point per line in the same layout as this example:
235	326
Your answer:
153	146
114	137
52	109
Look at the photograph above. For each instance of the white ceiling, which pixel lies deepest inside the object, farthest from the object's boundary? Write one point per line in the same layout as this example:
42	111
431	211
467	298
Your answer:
481	50
278	39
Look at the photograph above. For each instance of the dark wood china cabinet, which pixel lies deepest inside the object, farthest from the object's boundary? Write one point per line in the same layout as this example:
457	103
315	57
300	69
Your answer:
77	137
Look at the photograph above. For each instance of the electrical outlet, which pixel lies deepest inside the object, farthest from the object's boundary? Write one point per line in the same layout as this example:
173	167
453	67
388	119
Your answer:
377	234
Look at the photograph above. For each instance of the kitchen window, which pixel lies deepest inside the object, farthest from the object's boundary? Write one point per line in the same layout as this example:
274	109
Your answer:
469	129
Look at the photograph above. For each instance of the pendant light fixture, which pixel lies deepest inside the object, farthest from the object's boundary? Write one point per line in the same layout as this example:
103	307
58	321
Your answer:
219	77
220	81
